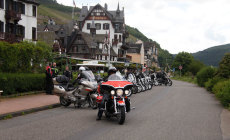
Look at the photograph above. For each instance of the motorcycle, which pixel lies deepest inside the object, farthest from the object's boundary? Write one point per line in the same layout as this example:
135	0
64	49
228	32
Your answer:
117	103
163	78
147	81
85	93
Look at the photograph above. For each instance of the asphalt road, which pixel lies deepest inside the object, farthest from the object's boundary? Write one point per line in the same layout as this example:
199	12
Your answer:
181	112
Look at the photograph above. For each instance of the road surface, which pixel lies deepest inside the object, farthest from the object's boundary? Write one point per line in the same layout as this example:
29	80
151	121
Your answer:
181	112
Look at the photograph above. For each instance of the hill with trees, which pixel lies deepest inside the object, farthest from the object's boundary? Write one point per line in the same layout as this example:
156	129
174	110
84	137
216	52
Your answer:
212	56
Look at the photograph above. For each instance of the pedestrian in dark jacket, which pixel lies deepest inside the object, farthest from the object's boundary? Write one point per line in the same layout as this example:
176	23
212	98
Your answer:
49	80
68	73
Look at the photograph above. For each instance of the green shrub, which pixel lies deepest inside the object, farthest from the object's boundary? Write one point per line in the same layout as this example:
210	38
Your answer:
222	92
20	82
17	58
224	66
212	82
204	75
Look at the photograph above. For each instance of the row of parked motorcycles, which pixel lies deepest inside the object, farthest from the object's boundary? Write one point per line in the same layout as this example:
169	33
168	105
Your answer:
90	91
143	81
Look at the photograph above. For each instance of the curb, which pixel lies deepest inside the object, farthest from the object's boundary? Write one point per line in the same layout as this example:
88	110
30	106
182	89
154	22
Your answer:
28	111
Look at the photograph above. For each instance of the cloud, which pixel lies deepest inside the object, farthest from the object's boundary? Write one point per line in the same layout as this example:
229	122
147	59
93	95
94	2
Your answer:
178	25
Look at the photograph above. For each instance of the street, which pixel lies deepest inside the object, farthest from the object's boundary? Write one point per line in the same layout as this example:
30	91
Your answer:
181	112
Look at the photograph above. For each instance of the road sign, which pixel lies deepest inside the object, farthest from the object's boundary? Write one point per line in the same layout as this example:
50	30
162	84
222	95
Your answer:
180	67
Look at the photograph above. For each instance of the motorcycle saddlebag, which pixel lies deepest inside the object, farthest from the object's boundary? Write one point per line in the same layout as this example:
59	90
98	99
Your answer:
62	79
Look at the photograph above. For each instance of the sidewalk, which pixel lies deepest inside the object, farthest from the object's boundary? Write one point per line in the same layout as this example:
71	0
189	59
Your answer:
20	104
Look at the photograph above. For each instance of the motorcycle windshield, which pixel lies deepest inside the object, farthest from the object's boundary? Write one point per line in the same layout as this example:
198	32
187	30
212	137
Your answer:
115	77
89	76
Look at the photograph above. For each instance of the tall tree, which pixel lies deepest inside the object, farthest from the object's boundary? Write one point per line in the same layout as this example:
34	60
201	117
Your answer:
184	59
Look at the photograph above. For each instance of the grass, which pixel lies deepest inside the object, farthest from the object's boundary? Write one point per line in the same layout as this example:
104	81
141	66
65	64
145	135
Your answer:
58	16
185	79
8	117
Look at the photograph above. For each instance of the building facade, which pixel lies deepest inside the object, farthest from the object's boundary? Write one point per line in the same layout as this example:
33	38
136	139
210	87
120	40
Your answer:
151	54
18	20
136	52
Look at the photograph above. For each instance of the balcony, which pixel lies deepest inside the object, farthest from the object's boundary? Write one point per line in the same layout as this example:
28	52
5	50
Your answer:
12	15
11	38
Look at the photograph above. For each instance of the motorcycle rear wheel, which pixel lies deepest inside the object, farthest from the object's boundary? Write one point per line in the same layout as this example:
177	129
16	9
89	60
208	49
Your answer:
64	102
121	115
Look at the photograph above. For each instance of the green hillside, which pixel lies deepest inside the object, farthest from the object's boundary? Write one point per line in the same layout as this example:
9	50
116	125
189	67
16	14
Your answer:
212	56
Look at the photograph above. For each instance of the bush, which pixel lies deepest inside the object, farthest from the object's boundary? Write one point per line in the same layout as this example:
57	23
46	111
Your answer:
204	75
17	83
212	82
224	66
222	92
17	58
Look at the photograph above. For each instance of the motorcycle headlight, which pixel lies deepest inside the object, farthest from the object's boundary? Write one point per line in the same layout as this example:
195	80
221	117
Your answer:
119	92
126	92
112	92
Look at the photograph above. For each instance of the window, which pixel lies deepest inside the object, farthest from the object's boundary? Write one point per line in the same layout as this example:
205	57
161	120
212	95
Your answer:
88	26
20	31
117	26
1	26
2	4
98	26
34	36
119	38
106	26
22	11
115	37
34	11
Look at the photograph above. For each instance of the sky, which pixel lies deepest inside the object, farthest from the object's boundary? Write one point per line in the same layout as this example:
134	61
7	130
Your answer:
177	25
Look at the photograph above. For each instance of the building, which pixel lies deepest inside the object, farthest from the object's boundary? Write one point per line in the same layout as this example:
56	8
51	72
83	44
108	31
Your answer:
136	52
18	20
151	54
100	32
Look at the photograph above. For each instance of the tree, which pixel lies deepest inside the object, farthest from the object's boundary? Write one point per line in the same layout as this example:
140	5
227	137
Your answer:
224	66
195	67
184	59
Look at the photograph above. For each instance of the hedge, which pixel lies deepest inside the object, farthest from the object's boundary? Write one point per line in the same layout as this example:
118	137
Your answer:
13	83
212	82
204	75
222	92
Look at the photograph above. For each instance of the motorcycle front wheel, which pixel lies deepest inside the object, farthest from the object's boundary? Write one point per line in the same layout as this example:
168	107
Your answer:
121	115
170	82
64	102
130	93
92	103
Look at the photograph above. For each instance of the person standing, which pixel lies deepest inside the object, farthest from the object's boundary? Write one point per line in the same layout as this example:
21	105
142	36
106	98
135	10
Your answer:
54	70
49	80
68	73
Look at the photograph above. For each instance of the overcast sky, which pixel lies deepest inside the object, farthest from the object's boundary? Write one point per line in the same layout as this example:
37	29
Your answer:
178	25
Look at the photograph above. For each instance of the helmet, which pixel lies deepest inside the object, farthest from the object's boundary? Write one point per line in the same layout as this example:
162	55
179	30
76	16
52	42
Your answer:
82	69
112	70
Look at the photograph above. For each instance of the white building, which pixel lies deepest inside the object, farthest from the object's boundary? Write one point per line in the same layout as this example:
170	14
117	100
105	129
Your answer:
18	20
108	23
